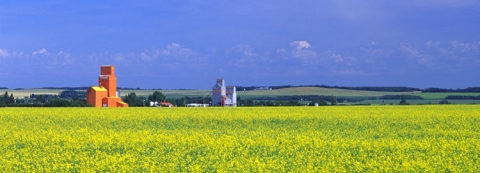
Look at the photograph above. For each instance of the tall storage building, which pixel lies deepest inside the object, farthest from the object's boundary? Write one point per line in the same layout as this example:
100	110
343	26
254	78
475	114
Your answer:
105	94
223	95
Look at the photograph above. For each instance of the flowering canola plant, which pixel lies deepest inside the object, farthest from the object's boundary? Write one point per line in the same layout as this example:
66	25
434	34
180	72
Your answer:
275	139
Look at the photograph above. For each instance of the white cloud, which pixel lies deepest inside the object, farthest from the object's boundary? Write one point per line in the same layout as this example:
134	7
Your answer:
149	56
420	57
176	50
4	53
20	54
144	56
301	51
344	65
39	52
349	71
465	47
68	59
245	50
375	53
119	57
244	54
431	43
301	44
337	58
348	61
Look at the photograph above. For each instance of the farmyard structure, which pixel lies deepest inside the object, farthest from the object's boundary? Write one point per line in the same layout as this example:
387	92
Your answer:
223	95
105	94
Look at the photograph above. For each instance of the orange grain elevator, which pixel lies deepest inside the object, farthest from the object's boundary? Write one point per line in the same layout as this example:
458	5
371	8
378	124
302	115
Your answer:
105	94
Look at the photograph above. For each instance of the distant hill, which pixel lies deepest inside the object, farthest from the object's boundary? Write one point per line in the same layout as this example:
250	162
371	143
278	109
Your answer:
361	88
366	88
317	91
251	88
287	90
344	96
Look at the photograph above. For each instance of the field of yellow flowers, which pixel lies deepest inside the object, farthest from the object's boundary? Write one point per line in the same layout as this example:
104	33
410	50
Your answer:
279	139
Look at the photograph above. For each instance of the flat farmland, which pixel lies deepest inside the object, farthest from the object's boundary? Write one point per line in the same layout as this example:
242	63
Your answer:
274	93
430	138
246	94
428	98
443	95
318	91
28	92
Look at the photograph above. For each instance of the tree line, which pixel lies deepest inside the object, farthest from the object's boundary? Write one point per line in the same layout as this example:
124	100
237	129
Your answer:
76	99
7	100
441	90
370	88
462	97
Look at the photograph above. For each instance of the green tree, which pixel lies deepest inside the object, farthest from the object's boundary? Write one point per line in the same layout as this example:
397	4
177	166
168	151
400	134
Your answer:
5	98
2	102
444	101
80	103
40	98
269	103
8	100
279	102
57	102
133	100
11	99
403	102
333	100
157	96
319	102
293	103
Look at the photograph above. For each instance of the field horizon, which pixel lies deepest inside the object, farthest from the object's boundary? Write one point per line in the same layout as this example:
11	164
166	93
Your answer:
428	98
175	93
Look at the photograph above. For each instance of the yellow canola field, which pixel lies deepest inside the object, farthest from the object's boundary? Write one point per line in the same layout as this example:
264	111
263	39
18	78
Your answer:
279	139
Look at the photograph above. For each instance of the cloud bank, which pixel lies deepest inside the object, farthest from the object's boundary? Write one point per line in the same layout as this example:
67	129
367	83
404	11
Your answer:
297	59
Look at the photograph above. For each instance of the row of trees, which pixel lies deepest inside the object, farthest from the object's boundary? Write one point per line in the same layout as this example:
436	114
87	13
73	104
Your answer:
463	97
137	101
323	101
442	90
7	100
133	100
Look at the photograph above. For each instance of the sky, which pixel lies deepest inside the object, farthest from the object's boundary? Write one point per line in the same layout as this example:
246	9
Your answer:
188	44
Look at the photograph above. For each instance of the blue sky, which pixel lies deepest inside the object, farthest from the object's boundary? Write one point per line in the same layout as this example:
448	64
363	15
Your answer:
189	44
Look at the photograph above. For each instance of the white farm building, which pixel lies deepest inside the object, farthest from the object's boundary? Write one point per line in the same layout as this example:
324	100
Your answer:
223	95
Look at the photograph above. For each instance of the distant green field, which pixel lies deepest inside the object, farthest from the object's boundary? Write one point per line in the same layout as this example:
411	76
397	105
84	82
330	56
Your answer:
443	95
243	94
425	101
27	92
432	98
169	93
316	91
272	93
